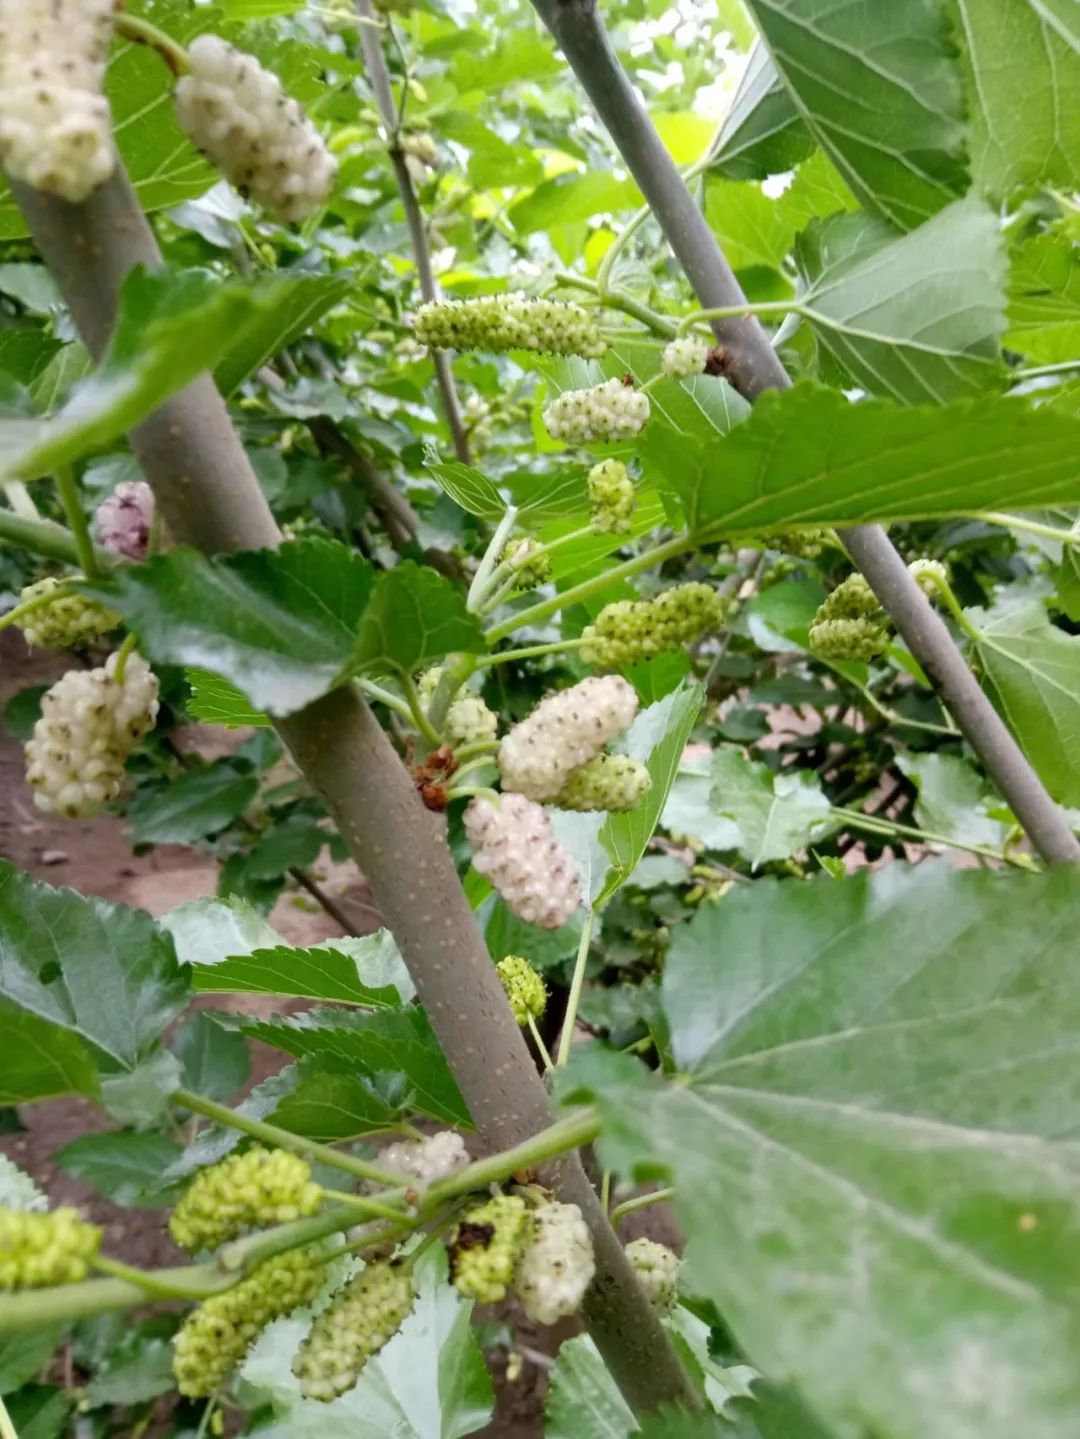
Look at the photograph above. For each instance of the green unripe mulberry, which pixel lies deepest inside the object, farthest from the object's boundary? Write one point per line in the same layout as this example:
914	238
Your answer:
246	1191
929	575
532	567
525	990
40	1250
362	1317
486	1247
214	1338
468	720
632	630
68	622
612	782
611	498
846	626
509	322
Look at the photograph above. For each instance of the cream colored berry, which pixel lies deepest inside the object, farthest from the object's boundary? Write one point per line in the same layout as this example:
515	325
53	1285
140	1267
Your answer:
684	357
362	1317
435	1157
611	411
564	731
557	1265
515	849
657	1269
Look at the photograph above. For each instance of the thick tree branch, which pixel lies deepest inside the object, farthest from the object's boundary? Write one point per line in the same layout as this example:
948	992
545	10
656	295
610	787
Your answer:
203	480
754	367
379	80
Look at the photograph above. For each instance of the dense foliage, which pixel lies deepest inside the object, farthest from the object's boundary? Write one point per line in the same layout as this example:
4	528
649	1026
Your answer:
713	820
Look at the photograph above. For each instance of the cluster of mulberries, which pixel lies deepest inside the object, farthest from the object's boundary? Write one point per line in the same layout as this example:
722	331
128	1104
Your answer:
531	568
426	1160
468	720
611	411
54	118
632	630
89	724
657	1269
214	1338
611	498
40	1250
557	1264
929	575
565	731
125	519
515	849
847	625
237	114
684	357
363	1316
526	992
245	1191
509	322
68	622
486	1246
614	782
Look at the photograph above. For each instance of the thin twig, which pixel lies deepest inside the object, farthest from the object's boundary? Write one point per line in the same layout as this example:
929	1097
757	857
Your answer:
321	898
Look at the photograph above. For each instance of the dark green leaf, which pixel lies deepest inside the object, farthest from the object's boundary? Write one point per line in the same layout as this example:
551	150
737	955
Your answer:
279	624
38	1060
38	1412
414	616
192	806
368	971
763	132
216	1063
331	1108
25	1354
298	301
584	1401
125	1167
133	1378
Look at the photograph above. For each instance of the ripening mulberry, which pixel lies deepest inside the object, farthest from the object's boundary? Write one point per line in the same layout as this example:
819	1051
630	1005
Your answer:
55	132
684	357
632	630
509	322
847	625
362	1317
563	732
435	1157
525	991
611	411
125	519
258	137
252	1190
40	1250
613	782
214	1338
515	849
557	1265
468	720
611	498
929	575
486	1246
657	1269
68	622
532	565
89	725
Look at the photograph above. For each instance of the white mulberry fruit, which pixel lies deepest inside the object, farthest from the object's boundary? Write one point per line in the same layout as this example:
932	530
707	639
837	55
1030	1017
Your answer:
684	357
563	732
468	720
509	322
361	1318
556	1267
435	1157
611	411
258	137
68	622
245	1191
89	725
514	847
125	518
55	132
611	498
612	782
657	1269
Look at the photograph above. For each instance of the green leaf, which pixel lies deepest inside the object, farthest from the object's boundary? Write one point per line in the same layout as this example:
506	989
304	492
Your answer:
470	488
215	701
39	1412
22	1355
367	971
763	133
955	801
125	1167
100	972
216	1063
584	1401
297	302
1044	301
752	228
140	1097
807	456
1021	59
918	317
18	1190
134	1377
333	1108
881	96
414	616
772	1413
777	814
429	1382
206	931
657	737
279	624
388	1041
38	1060
689	809
871	1067
170	327
569	198
1031	670
191	806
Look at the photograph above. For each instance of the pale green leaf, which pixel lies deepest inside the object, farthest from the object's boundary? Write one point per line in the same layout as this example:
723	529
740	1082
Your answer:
583	1401
367	971
192	806
763	132
1044	301
207	931
955	801
777	815
215	701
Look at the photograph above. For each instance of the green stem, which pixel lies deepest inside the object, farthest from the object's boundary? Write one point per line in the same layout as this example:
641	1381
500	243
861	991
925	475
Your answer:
150	1282
271	1134
1034	372
486	569
541	1047
577	984
952	604
7	1429
122	658
584	591
19	613
472	791
642	1201
455	672
417	714
1031	527
80	531
478	747
40	537
365	1205
504	580
735	312
207	1415
142	32
20	500
876	824
243	1255
385	697
530	652
619	300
